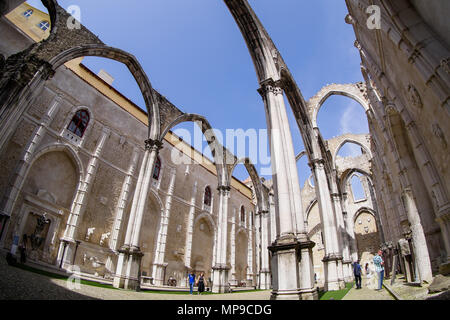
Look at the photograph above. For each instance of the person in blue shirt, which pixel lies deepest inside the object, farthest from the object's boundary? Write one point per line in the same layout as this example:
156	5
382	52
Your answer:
379	268
357	274
191	282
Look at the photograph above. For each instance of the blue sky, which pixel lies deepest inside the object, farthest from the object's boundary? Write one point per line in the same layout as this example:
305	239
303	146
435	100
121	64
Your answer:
195	55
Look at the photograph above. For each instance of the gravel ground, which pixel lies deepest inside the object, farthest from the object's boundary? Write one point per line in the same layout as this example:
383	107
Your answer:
18	284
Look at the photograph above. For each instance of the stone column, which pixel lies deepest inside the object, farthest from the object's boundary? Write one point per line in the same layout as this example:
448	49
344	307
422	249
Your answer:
330	237
128	265
66	248
123	200
220	268
250	254
418	236
342	270
342	274
287	281
233	280
190	229
264	272
159	264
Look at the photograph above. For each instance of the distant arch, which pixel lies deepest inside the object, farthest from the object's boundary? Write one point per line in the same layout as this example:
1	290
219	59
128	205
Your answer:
354	91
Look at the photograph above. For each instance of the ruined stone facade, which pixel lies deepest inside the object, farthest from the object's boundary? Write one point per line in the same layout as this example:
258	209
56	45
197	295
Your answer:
293	232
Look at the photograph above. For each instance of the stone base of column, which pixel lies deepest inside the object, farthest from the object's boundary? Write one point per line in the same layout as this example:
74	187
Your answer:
158	273
127	276
119	276
66	251
285	257
249	281
264	279
330	267
308	287
341	274
220	279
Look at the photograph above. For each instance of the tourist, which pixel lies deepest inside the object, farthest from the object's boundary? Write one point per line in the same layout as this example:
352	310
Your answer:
201	283
191	282
23	249
357	274
379	268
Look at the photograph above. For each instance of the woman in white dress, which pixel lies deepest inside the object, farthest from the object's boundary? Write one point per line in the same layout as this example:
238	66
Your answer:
372	277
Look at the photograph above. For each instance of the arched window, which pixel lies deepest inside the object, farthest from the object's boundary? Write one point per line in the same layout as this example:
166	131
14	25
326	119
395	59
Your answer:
28	13
157	169
357	188
242	214
79	123
207	199
44	25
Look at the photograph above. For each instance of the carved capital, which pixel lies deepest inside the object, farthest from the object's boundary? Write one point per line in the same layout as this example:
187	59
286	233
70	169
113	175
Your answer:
414	96
270	86
151	144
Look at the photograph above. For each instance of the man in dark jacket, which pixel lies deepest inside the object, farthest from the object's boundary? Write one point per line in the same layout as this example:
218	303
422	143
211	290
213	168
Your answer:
357	273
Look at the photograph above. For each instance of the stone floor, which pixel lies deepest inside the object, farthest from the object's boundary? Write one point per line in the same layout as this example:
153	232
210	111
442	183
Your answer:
367	294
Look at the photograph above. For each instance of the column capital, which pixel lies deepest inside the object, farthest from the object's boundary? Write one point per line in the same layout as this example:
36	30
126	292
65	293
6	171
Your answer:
151	144
224	189
317	163
269	85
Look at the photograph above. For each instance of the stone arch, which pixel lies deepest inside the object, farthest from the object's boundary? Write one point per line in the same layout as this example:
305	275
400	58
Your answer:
217	149
366	235
260	192
360	140
100	50
202	254
64	147
241	252
309	208
353	91
151	221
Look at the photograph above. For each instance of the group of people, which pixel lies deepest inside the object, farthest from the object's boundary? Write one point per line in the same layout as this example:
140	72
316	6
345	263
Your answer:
374	274
201	282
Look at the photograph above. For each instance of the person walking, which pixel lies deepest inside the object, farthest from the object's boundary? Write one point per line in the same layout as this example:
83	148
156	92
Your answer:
201	283
191	282
379	268
357	274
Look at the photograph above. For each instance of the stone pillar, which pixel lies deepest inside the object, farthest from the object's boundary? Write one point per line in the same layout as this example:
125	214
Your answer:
340	234
330	237
190	229
220	268
352	247
232	278
250	254
418	236
128	265
123	200
159	265
287	281
264	272
67	245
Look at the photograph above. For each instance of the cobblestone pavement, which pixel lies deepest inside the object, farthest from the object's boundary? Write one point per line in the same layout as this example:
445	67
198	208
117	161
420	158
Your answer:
18	284
367	294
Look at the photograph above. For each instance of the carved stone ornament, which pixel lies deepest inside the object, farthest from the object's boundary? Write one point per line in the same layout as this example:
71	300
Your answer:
445	66
414	96
437	131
